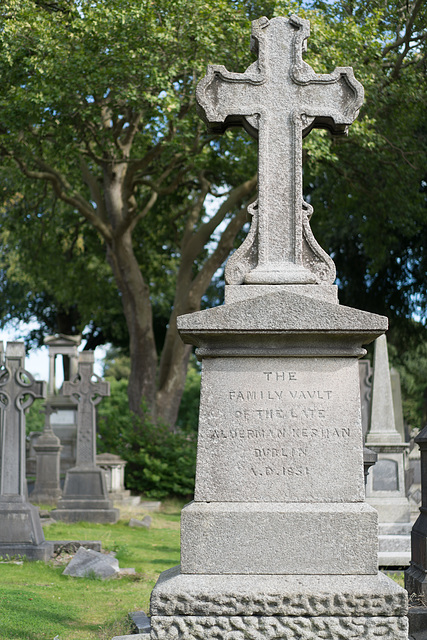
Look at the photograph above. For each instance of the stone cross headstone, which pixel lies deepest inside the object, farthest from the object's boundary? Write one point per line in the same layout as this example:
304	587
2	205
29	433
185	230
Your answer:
279	99
47	488
20	529
85	495
279	542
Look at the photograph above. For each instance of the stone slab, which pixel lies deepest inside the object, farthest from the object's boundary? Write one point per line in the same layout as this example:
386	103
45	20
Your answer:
178	594
394	528
134	636
274	627
394	543
102	516
42	551
95	545
394	559
141	621
263	421
88	561
278	538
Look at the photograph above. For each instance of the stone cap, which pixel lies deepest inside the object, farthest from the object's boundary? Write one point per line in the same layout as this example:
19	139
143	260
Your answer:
62	340
109	458
282	314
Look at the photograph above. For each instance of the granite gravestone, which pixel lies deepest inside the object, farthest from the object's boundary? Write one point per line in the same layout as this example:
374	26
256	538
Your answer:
279	541
20	529
85	495
47	488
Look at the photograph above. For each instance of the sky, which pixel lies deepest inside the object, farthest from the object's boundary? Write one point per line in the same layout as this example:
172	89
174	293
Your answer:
37	360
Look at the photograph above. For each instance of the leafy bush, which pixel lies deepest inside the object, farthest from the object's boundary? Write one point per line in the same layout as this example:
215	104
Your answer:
161	463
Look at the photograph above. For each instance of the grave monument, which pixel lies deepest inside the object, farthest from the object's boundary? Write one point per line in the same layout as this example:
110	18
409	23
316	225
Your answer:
47	488
279	542
85	495
21	533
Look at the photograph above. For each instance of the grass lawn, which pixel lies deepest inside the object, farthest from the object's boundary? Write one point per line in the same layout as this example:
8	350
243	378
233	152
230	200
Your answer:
38	603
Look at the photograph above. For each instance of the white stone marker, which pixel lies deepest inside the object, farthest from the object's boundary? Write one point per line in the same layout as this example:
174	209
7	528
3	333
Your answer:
279	542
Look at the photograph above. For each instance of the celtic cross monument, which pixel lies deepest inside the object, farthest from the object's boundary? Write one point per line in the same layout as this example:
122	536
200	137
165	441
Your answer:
21	533
85	495
279	542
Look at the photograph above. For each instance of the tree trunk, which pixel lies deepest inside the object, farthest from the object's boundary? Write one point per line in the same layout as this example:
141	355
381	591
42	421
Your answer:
138	313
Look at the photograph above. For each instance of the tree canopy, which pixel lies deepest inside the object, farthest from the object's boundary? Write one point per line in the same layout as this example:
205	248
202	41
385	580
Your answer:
117	207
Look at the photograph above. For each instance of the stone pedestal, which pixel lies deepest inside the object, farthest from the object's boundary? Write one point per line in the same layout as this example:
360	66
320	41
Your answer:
278	541
48	450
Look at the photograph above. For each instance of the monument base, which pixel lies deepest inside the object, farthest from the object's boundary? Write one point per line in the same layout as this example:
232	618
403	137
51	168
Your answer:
197	607
21	533
91	514
85	498
43	551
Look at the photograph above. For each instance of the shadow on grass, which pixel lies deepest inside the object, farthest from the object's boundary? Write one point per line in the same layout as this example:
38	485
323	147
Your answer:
26	615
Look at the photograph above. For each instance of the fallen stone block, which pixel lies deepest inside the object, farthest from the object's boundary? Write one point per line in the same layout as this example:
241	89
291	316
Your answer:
145	522
87	562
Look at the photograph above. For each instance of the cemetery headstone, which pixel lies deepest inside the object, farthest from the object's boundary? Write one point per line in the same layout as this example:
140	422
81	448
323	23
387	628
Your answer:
21	533
279	541
85	495
47	488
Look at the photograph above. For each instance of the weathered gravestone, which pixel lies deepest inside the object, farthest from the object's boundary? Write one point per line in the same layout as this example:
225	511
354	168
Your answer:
279	542
47	488
21	533
85	495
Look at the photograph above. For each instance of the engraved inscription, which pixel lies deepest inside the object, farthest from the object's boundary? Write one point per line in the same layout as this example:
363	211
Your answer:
279	432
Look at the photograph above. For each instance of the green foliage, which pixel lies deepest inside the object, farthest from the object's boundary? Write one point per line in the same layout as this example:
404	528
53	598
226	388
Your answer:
160	462
188	415
35	417
412	367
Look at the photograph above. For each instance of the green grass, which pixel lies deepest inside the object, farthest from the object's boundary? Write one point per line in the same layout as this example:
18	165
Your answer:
38	603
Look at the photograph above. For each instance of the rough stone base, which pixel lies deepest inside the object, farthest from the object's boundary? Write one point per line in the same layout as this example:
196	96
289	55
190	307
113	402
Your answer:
289	607
100	516
43	551
279	627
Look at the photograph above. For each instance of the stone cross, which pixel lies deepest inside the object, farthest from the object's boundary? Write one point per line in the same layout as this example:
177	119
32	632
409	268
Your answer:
18	390
280	99
86	393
